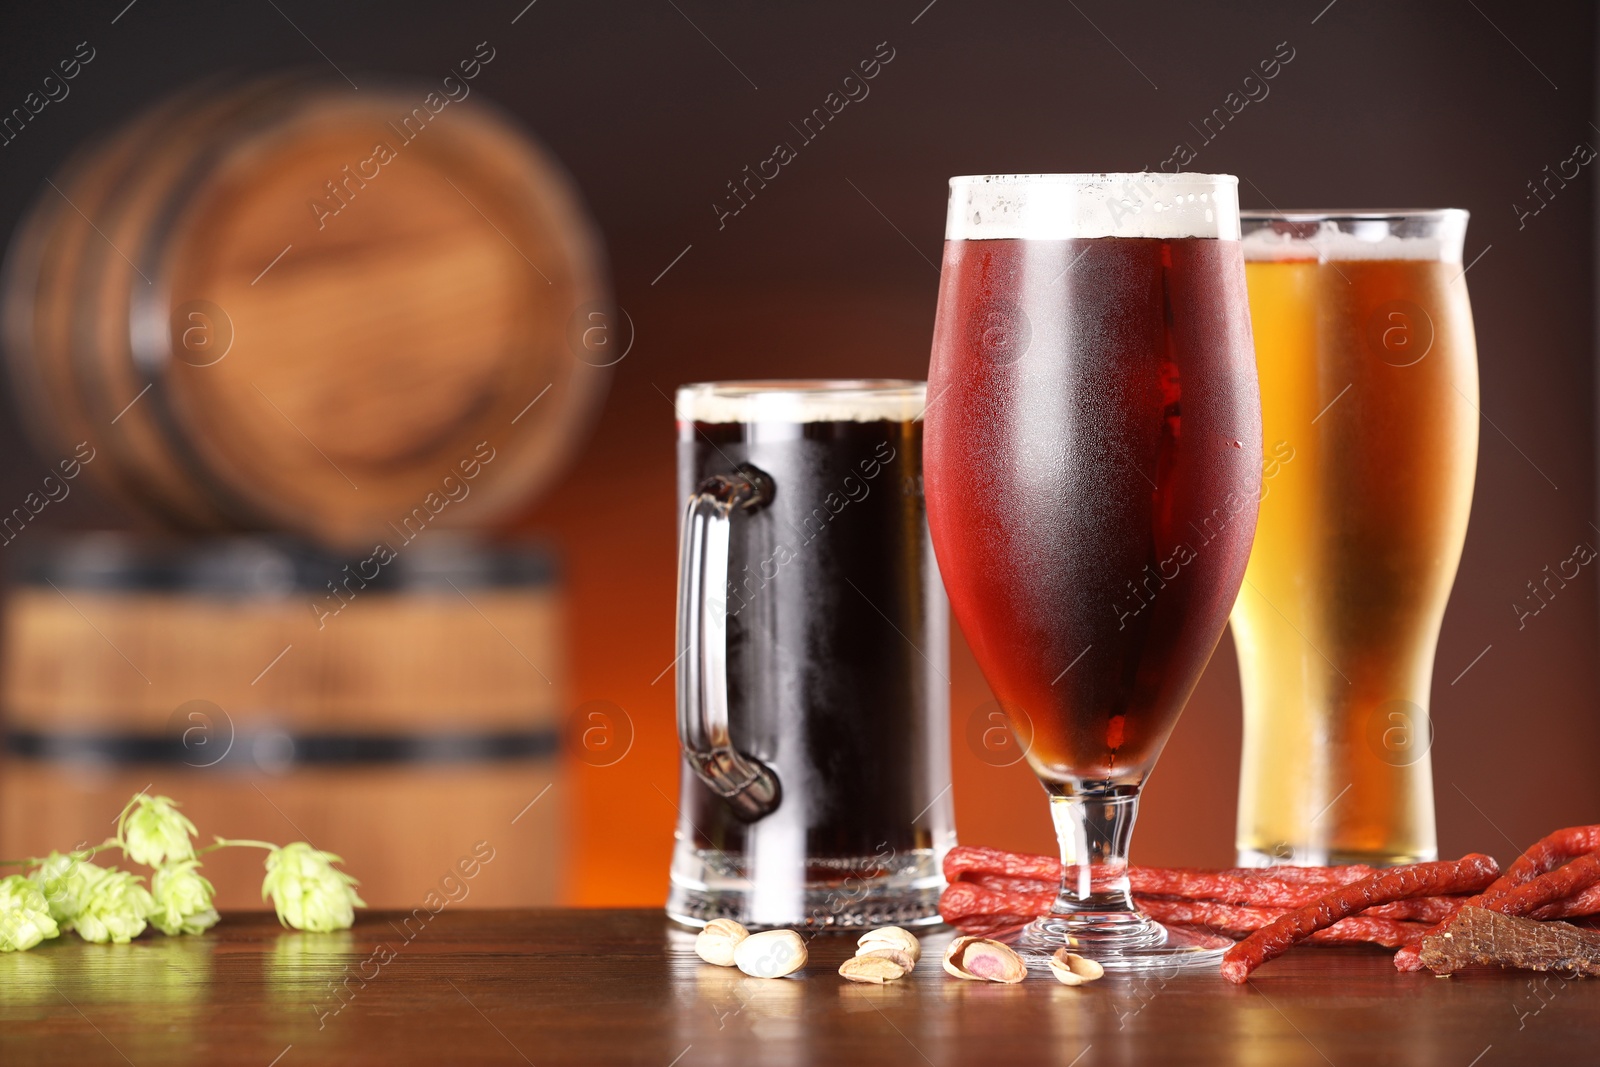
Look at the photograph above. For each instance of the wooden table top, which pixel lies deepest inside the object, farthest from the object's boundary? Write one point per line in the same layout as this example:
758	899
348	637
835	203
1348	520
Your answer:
583	987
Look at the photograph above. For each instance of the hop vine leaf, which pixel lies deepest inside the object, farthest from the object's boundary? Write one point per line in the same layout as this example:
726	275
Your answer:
182	898
116	909
152	831
24	915
308	891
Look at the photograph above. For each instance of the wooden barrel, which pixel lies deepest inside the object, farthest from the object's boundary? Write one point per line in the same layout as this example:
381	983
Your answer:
400	721
288	306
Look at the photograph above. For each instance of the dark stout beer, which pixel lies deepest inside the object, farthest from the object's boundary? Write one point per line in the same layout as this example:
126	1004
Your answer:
836	633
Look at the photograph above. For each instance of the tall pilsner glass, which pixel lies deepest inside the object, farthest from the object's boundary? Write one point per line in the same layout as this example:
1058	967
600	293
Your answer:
1369	383
1093	459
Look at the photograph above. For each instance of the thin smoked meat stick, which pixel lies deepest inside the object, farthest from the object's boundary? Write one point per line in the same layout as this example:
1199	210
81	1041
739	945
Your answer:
1469	874
1548	853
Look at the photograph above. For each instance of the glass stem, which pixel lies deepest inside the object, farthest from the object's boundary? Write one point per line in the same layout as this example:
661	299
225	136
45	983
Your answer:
1094	830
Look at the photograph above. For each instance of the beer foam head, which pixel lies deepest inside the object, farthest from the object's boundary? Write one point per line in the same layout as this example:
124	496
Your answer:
803	400
1054	207
1435	236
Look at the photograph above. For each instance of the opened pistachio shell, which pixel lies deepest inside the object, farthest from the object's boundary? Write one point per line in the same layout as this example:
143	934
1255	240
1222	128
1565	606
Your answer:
873	968
718	939
902	959
1073	969
953	949
770	954
890	937
978	959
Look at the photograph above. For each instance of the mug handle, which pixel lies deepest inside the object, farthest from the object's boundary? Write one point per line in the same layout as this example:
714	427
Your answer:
748	786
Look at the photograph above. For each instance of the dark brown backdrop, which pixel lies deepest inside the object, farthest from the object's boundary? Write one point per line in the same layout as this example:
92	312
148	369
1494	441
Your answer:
829	270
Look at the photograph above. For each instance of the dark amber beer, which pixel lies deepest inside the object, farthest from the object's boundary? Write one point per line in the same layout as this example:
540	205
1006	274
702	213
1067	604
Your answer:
1093	459
1091	464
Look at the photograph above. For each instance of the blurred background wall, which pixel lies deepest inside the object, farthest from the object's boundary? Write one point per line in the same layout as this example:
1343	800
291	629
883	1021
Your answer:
830	269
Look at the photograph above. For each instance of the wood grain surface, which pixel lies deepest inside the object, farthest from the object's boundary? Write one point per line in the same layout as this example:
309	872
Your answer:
581	987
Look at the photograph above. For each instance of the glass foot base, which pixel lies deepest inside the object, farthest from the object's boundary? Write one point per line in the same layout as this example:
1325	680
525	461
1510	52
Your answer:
1120	942
848	893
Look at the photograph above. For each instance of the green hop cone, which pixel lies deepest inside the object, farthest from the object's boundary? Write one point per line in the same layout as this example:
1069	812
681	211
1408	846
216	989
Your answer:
154	831
182	899
116	908
65	881
308	891
24	915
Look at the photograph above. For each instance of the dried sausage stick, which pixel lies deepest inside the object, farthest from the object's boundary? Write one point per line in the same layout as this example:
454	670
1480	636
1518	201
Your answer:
1563	883
966	861
1469	874
1307	875
1367	930
970	907
1011	871
1548	853
978	909
1243	919
1242	915
963	858
1585	903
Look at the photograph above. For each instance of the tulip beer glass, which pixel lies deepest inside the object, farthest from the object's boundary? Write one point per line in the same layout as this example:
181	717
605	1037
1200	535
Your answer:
1093	461
1369	395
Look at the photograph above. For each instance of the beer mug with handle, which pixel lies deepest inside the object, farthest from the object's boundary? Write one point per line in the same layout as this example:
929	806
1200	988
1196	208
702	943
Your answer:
812	679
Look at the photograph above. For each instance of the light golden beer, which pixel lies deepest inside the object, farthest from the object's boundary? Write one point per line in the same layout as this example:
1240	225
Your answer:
1369	395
